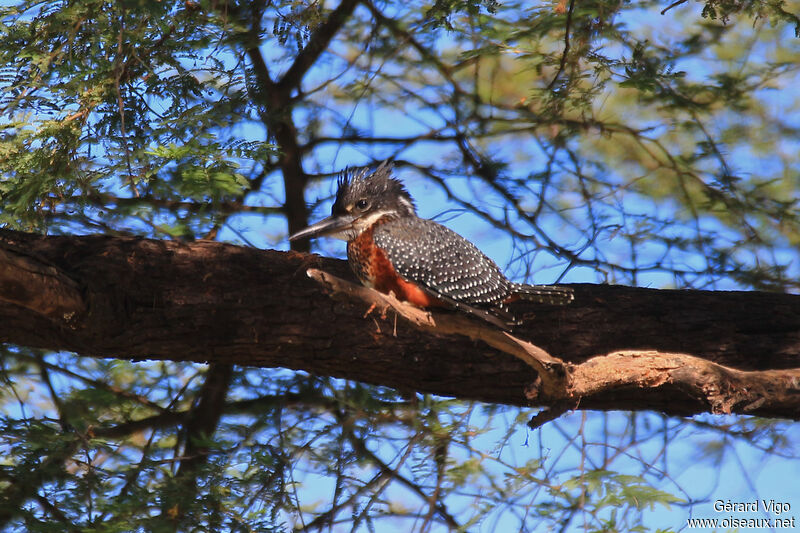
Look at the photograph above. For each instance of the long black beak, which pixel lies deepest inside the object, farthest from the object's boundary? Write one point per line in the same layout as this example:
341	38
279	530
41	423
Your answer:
332	225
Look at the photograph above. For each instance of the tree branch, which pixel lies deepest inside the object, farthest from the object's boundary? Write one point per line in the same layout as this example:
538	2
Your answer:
275	109
679	352
200	425
317	44
551	370
721	389
37	286
562	64
276	106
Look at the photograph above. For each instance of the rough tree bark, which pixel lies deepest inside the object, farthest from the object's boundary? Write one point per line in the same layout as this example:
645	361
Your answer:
648	349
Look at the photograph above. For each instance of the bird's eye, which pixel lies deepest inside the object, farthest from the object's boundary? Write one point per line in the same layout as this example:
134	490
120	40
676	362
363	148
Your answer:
362	204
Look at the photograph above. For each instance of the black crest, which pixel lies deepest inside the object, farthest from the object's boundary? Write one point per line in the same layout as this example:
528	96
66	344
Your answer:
378	185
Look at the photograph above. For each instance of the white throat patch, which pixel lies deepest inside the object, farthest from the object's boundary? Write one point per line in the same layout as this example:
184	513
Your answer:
361	224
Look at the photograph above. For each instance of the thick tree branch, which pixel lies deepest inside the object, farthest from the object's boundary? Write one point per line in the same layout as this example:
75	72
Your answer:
722	389
37	286
213	302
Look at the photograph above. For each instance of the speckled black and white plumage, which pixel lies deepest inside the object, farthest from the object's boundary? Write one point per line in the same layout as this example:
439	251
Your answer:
442	260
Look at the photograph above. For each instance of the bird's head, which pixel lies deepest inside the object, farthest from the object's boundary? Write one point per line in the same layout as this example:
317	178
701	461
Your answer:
363	198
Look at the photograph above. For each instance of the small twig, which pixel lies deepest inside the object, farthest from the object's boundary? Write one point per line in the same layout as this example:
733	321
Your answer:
674	4
370	310
120	69
552	371
550	413
562	65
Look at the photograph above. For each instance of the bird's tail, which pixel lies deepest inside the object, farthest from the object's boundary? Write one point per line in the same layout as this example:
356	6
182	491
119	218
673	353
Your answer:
543	294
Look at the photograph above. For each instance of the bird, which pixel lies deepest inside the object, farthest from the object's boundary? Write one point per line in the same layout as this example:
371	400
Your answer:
393	250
